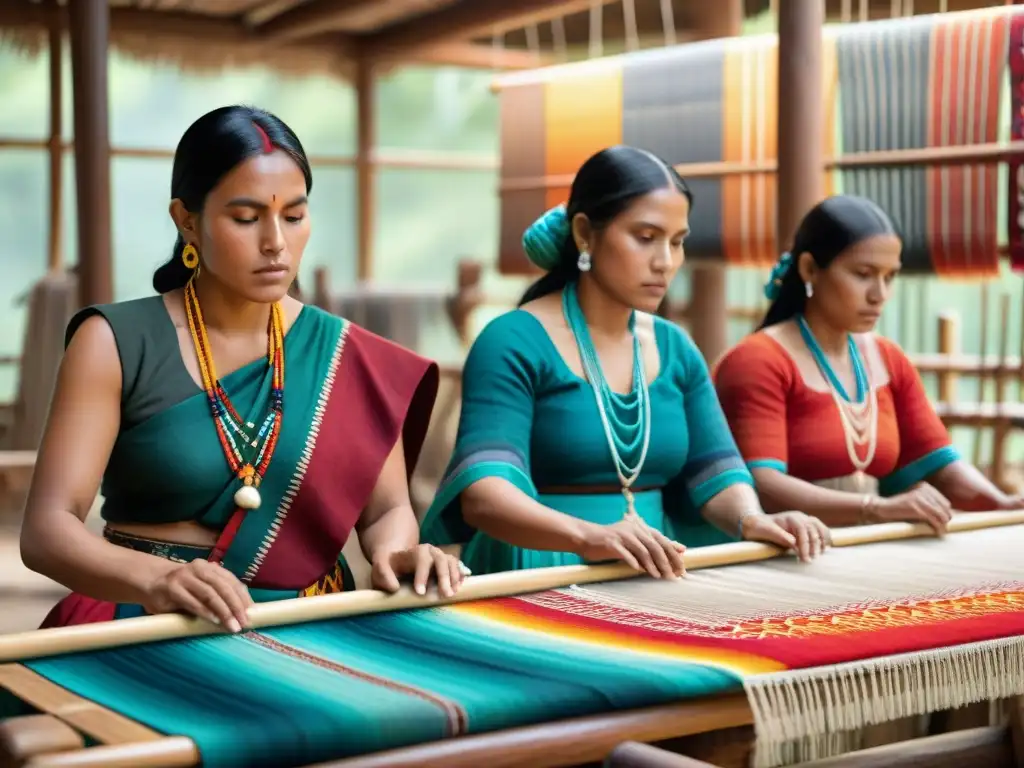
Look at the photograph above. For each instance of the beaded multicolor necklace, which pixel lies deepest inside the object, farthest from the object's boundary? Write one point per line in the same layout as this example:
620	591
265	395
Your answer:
248	453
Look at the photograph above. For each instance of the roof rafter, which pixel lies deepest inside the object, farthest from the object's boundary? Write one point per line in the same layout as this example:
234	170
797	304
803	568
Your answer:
465	21
317	16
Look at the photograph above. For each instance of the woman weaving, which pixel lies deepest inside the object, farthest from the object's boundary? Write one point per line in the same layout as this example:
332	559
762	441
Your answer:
240	436
830	415
590	429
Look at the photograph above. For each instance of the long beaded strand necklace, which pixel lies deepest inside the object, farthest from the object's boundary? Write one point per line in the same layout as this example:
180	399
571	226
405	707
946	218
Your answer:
248	453
859	416
609	402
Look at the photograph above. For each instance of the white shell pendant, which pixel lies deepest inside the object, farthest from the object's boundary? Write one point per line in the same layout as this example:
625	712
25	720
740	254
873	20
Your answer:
247	497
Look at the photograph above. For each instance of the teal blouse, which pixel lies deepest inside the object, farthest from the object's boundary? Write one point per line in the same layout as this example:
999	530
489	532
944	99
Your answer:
528	418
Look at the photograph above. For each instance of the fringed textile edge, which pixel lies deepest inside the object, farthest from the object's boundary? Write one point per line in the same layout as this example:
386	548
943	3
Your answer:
798	714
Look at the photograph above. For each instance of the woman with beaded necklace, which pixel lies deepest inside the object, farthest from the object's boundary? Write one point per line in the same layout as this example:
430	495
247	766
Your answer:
830	415
590	429
240	436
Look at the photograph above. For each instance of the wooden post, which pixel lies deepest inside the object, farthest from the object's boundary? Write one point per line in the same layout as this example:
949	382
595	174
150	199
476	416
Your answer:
89	24
949	348
708	308
366	172
1001	432
469	296
801	124
322	289
56	145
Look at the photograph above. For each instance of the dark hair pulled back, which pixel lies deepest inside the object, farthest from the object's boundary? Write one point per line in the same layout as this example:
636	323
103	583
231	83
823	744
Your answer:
213	146
605	186
828	229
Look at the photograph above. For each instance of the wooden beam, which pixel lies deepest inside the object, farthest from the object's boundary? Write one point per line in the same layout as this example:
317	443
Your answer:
465	21
473	56
317	16
167	26
268	10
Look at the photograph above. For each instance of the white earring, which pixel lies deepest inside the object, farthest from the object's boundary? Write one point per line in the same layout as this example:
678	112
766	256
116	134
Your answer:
809	289
583	262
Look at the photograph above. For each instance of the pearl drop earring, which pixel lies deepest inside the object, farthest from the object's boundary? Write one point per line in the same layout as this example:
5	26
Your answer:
583	262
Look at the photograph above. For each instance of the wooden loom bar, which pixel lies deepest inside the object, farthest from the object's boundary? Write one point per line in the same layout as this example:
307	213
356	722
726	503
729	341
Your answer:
91	719
50	642
998	152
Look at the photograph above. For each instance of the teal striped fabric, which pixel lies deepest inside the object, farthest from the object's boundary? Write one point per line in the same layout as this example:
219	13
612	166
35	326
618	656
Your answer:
296	695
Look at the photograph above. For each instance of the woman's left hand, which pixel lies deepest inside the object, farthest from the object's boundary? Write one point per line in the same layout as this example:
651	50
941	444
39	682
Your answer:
790	530
419	561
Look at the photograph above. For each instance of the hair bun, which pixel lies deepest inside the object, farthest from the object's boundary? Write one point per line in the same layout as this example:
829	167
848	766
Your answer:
544	240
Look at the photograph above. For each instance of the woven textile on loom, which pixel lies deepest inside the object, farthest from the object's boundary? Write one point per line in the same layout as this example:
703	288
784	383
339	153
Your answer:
926	82
864	635
916	83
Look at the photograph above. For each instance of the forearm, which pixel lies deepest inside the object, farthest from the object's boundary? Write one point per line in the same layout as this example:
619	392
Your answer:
66	551
968	489
725	509
394	531
837	509
502	511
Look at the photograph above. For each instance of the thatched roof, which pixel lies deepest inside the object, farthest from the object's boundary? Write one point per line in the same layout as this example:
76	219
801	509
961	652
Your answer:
328	36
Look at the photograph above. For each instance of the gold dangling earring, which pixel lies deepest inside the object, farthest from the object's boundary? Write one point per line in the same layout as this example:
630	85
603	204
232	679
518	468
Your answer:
190	256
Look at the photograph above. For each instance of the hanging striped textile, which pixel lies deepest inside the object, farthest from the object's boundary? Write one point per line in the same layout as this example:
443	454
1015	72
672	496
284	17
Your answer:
927	82
750	113
1015	192
548	129
907	84
701	103
672	106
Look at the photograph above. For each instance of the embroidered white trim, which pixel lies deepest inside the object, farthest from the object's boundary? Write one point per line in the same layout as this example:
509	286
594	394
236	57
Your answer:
303	464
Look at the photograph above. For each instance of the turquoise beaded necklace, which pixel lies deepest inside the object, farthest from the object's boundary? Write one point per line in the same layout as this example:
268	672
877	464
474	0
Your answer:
859	371
859	416
626	418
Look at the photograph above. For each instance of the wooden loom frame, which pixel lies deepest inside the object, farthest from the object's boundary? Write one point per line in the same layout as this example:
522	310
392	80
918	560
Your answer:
560	743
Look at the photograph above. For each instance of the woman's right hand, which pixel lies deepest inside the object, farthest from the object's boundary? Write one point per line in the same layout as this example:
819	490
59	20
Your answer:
204	589
638	545
921	504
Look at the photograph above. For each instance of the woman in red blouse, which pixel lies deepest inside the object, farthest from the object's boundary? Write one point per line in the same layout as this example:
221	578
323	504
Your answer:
831	418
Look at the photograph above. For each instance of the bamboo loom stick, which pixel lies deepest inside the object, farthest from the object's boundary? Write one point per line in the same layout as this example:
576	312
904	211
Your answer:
148	629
